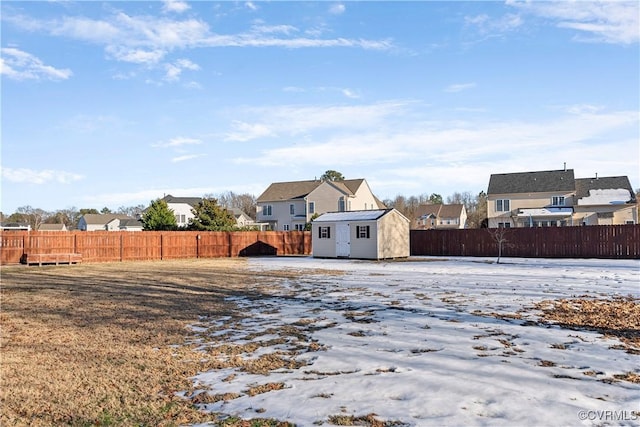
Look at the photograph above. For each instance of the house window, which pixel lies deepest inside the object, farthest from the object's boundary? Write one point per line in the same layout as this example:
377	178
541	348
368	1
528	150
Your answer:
292	209
557	201
341	205
299	227
504	225
181	219
324	232
503	205
312	207
285	227
363	231
266	210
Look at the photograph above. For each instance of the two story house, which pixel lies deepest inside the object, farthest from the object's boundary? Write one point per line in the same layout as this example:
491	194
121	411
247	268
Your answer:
182	206
556	198
287	206
440	216
102	222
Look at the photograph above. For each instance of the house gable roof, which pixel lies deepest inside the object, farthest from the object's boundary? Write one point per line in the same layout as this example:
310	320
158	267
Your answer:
280	191
52	227
102	219
131	223
585	185
191	201
453	210
532	182
236	212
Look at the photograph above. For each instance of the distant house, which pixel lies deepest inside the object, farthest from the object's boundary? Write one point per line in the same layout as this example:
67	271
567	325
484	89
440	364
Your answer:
372	234
101	222
131	224
557	199
605	201
182	209
440	216
287	206
16	226
52	227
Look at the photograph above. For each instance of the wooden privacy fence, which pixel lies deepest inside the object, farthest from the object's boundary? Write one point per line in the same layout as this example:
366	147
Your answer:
604	241
109	246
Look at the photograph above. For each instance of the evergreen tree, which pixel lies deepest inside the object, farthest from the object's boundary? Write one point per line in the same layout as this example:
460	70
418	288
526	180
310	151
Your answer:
159	217
211	216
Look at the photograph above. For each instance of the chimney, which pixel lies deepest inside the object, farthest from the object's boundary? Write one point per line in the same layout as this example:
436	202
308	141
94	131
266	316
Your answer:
596	175
565	166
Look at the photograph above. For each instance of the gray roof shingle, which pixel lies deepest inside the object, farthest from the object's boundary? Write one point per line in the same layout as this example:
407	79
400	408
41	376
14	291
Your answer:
279	191
583	185
532	182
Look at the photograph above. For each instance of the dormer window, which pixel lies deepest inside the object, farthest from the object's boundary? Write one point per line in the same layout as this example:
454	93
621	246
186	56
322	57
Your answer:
557	201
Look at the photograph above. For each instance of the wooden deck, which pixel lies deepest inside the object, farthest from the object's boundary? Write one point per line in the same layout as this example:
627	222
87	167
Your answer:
57	259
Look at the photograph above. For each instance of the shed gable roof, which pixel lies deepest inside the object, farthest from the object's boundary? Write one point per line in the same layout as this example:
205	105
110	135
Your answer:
532	182
367	215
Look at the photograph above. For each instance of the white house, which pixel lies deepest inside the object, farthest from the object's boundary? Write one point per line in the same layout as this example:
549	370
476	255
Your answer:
181	207
372	234
101	222
289	206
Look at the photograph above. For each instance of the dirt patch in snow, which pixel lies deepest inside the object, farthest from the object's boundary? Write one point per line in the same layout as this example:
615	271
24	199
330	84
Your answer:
617	317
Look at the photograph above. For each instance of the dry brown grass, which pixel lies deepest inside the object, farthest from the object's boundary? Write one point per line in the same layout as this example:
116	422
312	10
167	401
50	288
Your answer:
617	317
104	344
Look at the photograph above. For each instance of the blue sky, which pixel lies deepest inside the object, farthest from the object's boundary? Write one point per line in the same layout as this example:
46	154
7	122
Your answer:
118	103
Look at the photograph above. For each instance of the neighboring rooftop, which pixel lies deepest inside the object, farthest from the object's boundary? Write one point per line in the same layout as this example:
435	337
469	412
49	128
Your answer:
532	182
369	215
299	189
585	185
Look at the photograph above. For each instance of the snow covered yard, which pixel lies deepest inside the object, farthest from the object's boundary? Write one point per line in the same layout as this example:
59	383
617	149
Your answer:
424	342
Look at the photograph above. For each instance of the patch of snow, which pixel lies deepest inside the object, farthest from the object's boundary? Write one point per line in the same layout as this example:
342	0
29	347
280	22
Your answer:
432	342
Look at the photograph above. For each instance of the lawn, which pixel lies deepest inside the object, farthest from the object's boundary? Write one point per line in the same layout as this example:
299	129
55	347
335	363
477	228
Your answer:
334	342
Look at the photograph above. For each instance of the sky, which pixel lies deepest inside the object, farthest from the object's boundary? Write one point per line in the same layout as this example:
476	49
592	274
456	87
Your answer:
112	104
429	342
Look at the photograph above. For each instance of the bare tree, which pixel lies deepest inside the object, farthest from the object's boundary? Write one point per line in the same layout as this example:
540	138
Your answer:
499	235
34	216
245	202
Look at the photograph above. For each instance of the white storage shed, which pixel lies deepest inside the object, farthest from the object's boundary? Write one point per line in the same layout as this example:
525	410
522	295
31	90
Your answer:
371	234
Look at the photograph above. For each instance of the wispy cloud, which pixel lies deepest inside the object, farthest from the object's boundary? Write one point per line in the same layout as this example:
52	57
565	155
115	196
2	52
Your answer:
294	120
19	65
186	157
175	6
177	142
489	26
143	39
459	153
175	69
30	176
595	21
459	87
337	9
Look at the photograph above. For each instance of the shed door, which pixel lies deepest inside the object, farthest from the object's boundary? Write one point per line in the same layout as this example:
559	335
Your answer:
343	238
